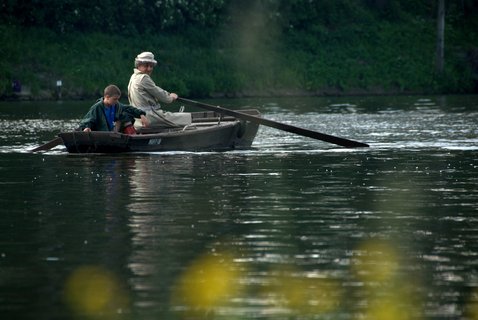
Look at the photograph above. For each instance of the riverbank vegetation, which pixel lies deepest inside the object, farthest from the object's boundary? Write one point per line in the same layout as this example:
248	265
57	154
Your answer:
208	48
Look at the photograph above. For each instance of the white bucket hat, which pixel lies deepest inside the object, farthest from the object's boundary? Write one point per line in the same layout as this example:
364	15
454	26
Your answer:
145	57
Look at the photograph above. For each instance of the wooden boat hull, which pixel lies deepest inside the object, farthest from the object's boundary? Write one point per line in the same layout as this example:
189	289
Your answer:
208	132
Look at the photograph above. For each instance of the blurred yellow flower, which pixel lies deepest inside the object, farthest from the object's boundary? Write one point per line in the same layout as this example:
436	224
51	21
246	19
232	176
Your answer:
376	262
302	295
208	283
93	291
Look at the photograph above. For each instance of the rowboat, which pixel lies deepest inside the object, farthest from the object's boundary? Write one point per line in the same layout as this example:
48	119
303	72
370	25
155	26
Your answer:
209	131
216	129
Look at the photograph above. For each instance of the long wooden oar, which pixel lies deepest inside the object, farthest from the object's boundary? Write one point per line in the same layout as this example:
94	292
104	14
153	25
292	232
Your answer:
281	126
47	146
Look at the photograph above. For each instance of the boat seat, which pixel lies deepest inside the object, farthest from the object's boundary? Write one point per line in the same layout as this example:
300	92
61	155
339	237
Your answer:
213	119
148	130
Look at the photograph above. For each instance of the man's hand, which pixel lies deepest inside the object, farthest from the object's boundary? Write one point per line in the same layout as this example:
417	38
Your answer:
144	120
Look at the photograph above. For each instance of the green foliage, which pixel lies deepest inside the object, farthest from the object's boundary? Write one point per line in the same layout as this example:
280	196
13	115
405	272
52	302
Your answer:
227	47
125	16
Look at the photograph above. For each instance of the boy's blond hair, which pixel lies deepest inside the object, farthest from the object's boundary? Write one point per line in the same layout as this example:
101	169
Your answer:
112	91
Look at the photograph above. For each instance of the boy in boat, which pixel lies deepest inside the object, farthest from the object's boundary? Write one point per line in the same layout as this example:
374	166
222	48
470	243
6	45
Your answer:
144	94
108	114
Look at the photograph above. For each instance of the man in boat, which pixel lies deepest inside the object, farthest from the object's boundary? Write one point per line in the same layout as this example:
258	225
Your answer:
108	114
144	94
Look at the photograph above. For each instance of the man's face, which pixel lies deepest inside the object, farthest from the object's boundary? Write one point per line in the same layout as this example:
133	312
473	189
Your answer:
146	68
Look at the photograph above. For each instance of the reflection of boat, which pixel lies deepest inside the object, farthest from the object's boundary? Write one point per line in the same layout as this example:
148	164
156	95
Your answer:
209	131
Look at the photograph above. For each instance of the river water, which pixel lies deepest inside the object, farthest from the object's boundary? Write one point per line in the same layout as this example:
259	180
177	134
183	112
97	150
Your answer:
294	228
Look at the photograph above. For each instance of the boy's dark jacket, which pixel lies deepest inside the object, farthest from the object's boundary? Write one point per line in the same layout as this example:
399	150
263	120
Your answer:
95	119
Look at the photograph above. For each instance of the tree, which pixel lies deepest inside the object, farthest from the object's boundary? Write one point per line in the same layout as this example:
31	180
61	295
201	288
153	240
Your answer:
440	40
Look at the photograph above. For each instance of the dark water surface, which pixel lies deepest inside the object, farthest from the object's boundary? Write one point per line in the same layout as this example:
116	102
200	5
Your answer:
292	229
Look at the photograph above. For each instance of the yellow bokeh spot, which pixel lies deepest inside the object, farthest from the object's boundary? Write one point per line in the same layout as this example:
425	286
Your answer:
395	307
472	306
208	282
385	311
93	291
377	261
472	311
303	295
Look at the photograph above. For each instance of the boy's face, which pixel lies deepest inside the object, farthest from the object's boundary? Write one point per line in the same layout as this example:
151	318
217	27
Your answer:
110	100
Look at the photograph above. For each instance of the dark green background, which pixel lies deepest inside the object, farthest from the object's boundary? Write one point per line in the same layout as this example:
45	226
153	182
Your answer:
239	48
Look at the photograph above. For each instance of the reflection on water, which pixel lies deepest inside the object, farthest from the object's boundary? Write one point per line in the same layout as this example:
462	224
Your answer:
294	228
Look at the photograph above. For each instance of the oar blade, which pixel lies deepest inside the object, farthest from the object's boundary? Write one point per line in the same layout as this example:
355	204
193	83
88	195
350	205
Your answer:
47	146
281	126
307	133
